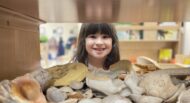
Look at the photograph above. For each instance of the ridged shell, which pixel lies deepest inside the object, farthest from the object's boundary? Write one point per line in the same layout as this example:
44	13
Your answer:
63	75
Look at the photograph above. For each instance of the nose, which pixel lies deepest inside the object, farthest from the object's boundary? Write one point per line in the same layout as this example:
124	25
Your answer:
99	41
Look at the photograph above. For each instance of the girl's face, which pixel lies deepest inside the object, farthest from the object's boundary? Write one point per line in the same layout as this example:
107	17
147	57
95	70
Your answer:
98	45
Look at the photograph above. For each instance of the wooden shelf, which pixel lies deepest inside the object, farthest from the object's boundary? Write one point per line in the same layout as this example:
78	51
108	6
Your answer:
148	41
149	46
124	28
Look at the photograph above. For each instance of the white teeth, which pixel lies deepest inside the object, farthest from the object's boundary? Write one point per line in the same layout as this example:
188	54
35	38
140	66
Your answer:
99	49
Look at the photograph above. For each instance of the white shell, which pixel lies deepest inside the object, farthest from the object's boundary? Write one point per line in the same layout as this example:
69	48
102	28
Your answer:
88	94
87	101
177	93
184	97
145	99
125	93
76	85
72	100
132	81
116	99
66	89
108	86
97	100
158	85
54	95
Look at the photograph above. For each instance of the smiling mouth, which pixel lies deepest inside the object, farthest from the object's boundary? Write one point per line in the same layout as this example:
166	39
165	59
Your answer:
99	49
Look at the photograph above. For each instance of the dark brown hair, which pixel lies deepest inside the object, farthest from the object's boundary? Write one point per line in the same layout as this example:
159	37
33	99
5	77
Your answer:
93	28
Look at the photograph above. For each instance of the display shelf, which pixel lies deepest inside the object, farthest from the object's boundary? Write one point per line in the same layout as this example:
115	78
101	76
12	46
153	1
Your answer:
157	41
136	27
150	44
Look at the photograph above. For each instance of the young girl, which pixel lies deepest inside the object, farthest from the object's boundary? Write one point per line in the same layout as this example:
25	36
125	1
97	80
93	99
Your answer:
97	46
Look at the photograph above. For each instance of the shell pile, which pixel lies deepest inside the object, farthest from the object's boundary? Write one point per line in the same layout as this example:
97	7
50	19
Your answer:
73	83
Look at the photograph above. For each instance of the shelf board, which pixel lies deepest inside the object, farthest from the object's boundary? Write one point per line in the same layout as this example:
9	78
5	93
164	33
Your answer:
124	28
148	40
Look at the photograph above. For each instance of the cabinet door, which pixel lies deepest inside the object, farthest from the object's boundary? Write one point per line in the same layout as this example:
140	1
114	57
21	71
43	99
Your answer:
7	53
19	45
19	52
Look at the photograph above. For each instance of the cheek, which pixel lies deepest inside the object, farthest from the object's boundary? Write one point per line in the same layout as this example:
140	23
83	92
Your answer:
109	44
89	41
88	44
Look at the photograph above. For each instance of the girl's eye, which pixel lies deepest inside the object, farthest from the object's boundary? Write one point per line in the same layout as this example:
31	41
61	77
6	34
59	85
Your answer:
106	36
92	36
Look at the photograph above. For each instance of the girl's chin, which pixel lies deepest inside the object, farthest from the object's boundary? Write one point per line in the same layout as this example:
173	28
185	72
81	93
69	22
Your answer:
99	57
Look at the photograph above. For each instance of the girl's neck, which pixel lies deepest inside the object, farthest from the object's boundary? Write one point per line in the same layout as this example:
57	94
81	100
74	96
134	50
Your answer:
98	63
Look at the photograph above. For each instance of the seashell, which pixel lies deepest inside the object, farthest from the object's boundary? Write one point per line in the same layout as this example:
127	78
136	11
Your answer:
177	93
158	85
5	91
66	89
87	101
108	86
132	81
43	78
142	69
142	60
125	92
6	84
55	95
63	75
97	100
88	94
184	97
98	94
5	88
99	74
76	85
77	95
121	65
116	99
25	89
145	99
71	100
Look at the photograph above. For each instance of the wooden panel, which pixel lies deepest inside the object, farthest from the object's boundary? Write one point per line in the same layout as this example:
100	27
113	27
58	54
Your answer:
21	23
27	7
149	49
3	19
7	55
27	49
19	45
19	52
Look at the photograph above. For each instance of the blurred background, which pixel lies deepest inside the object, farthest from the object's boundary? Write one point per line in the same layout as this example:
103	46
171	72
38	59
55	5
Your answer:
41	33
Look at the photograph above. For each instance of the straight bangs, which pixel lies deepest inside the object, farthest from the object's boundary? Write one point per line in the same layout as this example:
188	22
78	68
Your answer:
100	28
